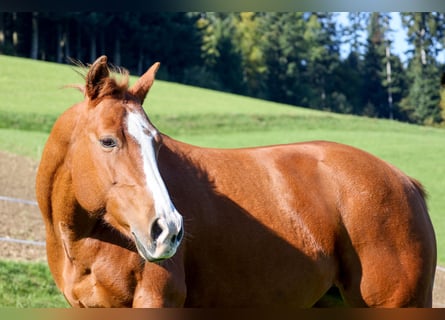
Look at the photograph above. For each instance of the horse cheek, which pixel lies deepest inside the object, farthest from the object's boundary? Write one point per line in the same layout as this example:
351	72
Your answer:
87	185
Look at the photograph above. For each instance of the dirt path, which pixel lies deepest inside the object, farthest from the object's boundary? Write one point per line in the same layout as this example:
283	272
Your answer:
23	221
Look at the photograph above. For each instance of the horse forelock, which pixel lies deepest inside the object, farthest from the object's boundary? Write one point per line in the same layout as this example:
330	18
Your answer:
116	85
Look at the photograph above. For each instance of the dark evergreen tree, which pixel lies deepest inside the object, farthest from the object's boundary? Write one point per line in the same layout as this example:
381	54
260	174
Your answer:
442	98
220	52
425	33
247	38
322	41
284	50
375	94
397	87
352	33
349	81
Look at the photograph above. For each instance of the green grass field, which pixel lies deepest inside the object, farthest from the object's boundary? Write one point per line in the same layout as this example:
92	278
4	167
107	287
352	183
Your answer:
32	98
28	285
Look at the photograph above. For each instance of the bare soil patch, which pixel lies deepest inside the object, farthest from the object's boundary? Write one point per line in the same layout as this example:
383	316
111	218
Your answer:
19	221
23	221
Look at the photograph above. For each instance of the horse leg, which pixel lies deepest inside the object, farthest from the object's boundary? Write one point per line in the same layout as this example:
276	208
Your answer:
162	284
380	279
161	295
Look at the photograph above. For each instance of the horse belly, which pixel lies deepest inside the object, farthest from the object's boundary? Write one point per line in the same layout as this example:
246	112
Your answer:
254	265
252	285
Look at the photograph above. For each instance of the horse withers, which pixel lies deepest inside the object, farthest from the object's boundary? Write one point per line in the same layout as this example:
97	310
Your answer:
136	218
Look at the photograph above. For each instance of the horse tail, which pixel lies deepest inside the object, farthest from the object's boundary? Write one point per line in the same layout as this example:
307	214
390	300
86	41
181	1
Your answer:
419	187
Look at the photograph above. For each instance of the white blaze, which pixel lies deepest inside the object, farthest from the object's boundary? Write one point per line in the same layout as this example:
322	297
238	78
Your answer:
144	134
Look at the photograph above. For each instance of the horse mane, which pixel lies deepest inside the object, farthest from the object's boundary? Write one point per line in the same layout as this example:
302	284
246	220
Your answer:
116	85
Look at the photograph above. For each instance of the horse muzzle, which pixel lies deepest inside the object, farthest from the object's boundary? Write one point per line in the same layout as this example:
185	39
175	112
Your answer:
163	240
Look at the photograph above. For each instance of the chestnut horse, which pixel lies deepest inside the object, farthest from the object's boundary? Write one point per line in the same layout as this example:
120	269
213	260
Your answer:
136	218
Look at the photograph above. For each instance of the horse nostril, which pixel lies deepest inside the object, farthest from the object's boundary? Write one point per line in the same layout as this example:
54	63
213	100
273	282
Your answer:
156	229
177	237
180	234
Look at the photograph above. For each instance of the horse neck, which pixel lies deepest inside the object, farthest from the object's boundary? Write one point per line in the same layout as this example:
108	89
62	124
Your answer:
54	177
176	161
182	168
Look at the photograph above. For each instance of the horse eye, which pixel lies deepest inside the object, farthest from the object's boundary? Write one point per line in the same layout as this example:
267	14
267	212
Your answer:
108	142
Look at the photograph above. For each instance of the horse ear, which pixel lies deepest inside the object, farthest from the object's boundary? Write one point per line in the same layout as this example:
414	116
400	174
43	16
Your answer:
144	83
97	73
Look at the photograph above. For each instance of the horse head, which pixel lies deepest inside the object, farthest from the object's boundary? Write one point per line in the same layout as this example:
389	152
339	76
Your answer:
114	168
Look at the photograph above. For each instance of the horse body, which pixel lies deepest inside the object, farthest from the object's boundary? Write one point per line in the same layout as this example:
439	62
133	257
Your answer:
276	225
307	223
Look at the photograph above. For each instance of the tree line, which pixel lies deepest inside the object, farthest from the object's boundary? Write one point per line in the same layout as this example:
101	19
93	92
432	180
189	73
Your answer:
289	57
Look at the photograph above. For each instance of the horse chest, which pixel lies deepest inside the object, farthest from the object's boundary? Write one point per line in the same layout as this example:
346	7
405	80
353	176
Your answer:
96	279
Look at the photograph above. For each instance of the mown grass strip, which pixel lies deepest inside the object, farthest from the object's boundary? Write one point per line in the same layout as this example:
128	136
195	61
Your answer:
204	123
27	121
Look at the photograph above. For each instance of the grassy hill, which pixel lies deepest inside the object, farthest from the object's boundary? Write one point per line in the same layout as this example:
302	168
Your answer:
32	98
